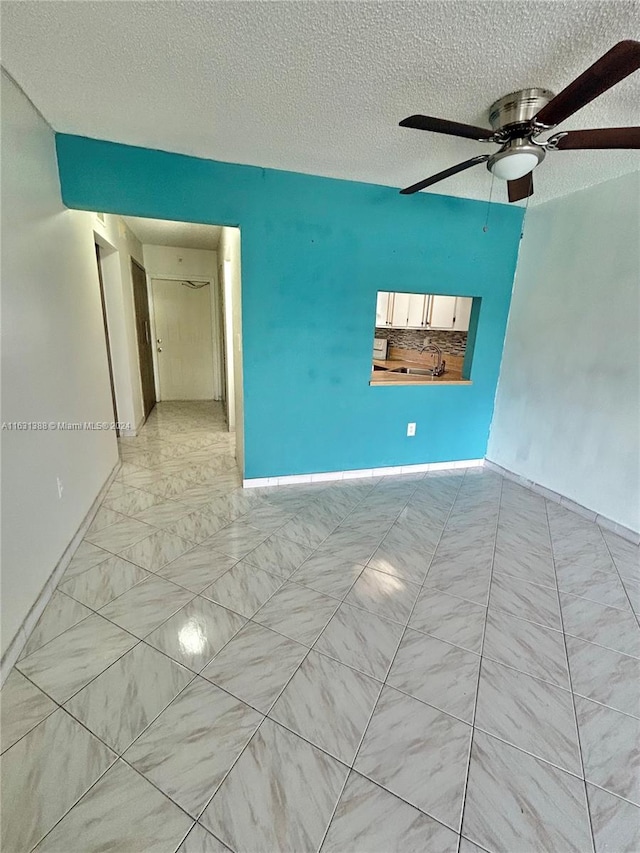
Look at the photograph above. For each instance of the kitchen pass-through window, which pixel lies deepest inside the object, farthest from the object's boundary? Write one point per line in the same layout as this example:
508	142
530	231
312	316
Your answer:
423	338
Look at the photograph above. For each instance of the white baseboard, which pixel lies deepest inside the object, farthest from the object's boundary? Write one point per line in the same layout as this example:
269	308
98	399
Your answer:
567	503
332	476
18	643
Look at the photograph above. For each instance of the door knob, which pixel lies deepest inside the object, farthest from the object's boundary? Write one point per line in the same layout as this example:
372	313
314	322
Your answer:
159	349
159	340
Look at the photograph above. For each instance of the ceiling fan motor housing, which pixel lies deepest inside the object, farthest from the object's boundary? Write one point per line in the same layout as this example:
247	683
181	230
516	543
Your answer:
513	112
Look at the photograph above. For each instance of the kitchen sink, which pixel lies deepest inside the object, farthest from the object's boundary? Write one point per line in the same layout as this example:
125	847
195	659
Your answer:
414	371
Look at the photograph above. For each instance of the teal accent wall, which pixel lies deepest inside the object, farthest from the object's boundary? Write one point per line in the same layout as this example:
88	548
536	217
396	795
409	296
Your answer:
314	253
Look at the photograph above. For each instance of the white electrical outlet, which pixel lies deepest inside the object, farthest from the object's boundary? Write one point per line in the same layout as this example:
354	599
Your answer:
60	487
411	429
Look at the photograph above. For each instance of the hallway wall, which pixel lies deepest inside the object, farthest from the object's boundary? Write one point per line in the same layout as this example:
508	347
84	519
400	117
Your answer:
315	251
118	284
54	363
568	405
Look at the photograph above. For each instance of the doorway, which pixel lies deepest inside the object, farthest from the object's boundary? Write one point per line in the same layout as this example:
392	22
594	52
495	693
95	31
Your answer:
182	312
173	294
143	331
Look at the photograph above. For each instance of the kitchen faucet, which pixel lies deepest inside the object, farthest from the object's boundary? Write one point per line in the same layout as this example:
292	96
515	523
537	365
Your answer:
437	369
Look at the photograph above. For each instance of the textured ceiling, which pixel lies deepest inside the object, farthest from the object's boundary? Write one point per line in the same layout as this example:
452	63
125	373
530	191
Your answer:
319	87
161	232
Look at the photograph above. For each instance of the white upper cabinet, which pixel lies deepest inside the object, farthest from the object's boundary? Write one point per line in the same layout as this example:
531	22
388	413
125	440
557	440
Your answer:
422	311
382	309
441	312
400	310
417	315
463	313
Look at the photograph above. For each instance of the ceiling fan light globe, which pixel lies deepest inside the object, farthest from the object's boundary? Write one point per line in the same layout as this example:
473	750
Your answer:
513	166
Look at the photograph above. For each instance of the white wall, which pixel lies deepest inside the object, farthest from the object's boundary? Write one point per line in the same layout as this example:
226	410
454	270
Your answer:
229	252
160	261
118	245
54	363
567	412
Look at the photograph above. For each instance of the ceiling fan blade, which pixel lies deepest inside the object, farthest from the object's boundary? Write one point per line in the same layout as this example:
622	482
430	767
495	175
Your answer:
623	59
520	188
606	137
481	158
442	125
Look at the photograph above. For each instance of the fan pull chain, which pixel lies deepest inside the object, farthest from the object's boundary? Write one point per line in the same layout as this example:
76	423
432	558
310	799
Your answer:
485	227
524	217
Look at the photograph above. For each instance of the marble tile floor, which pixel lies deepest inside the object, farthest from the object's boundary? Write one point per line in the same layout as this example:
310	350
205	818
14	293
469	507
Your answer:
440	663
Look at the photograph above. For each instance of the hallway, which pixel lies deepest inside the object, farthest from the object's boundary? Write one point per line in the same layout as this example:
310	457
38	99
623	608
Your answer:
291	669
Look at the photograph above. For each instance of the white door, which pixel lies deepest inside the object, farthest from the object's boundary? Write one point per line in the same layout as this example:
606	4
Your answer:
463	313
443	309
184	340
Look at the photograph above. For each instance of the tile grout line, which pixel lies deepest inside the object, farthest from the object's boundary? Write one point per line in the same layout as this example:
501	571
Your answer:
75	600
118	758
599	645
119	657
475	703
152	527
75	803
46	717
115	598
106	618
609	707
617	570
573	699
617	797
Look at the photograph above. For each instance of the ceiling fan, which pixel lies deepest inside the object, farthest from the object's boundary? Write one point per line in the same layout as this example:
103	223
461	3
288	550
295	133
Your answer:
518	118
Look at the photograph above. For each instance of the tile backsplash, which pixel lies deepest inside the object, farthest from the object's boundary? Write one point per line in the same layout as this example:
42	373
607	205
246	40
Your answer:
451	342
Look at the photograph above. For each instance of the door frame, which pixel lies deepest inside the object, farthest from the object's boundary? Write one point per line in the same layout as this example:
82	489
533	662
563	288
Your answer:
107	336
214	302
